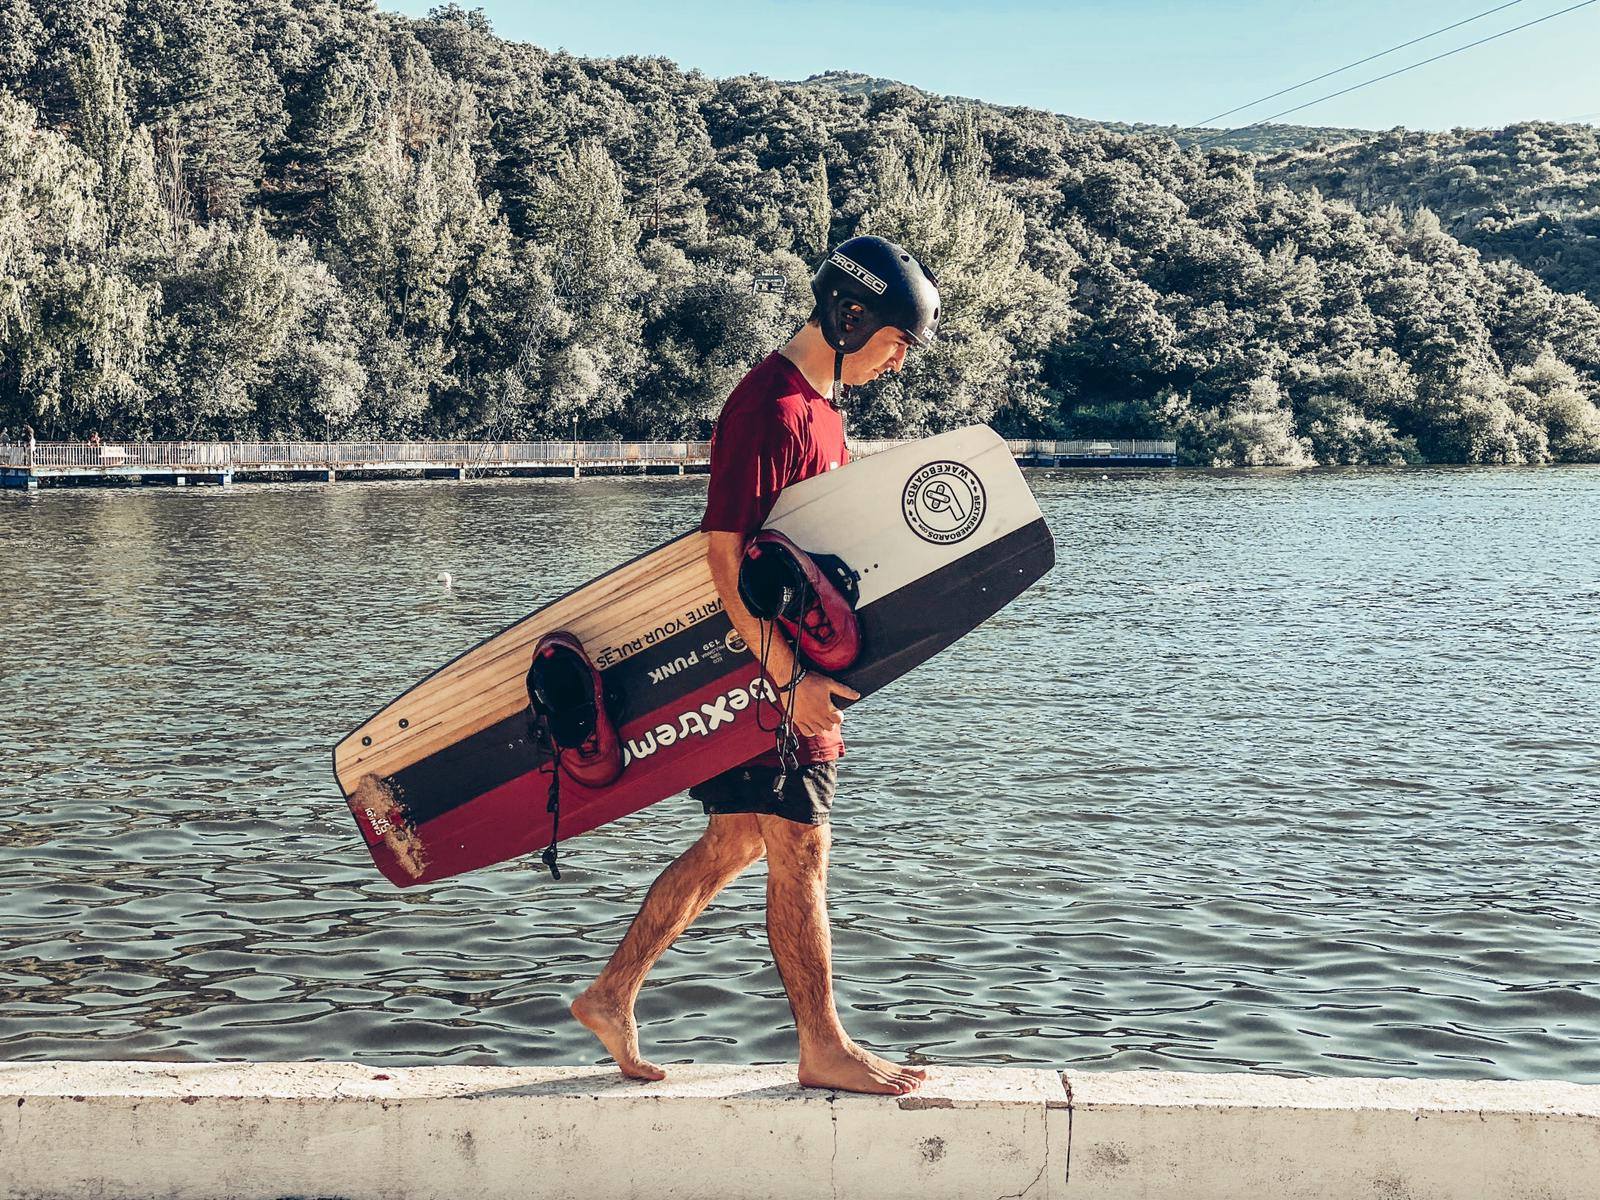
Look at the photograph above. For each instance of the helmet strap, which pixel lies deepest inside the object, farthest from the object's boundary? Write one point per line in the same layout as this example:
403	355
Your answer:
838	374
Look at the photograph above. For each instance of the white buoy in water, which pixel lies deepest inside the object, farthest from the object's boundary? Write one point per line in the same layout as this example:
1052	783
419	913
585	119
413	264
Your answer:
1105	479
447	579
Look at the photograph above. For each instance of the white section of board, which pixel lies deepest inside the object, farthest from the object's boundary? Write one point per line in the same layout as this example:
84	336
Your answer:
856	511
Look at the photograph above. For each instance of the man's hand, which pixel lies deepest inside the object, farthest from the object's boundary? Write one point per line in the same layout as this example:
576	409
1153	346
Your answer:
813	711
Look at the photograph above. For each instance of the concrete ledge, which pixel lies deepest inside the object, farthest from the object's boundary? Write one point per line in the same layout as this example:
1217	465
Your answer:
1213	1136
272	1130
152	1131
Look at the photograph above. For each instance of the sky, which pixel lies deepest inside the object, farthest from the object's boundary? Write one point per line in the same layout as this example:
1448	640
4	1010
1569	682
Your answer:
1137	60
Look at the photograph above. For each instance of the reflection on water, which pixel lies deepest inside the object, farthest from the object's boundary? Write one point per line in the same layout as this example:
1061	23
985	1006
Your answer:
1275	771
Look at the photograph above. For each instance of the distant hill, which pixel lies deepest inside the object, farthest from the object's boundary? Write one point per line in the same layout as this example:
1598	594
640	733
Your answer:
853	83
1529	192
1256	139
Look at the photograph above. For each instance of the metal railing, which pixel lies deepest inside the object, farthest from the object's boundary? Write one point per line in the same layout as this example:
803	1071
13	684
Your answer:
319	455
249	456
1106	448
89	456
1033	448
246	455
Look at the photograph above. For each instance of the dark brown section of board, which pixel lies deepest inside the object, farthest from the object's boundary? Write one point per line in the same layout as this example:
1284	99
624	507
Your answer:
651	684
906	628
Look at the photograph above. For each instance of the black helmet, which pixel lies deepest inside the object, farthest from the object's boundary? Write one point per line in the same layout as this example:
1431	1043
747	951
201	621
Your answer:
868	283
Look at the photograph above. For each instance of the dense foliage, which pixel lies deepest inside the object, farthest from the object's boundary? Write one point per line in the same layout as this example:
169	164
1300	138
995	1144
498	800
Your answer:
307	217
1529	192
1258	139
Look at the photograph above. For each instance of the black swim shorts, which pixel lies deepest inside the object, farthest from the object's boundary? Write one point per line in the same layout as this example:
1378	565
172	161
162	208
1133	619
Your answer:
807	795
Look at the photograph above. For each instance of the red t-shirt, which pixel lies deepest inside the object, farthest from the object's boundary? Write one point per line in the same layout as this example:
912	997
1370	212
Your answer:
775	429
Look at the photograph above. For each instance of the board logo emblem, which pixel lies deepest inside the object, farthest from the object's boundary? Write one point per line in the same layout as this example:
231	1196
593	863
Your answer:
944	503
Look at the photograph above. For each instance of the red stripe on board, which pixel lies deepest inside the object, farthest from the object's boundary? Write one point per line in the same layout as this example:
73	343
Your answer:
516	810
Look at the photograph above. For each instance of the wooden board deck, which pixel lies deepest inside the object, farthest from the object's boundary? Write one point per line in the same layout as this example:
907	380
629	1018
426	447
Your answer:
609	615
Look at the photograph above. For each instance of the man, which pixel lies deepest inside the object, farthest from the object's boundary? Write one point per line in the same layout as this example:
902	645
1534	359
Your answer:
873	303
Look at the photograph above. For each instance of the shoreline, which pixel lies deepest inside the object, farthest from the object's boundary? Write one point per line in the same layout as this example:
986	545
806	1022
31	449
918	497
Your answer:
248	1130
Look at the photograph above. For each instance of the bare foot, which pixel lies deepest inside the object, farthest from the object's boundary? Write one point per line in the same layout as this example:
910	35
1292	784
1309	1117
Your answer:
612	1022
849	1068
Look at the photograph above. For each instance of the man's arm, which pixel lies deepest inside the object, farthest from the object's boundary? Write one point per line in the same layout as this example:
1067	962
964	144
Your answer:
814	712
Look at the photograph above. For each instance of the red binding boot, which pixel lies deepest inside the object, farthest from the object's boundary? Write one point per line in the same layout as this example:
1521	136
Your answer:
565	690
780	582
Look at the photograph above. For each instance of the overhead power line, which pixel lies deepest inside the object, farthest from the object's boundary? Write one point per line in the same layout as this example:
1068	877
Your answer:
1399	71
1351	66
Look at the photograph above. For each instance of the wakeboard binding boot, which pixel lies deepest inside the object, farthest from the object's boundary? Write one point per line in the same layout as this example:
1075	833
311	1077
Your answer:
569	705
565	691
812	597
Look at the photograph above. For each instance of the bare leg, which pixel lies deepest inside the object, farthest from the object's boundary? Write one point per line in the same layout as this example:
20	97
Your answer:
797	929
729	845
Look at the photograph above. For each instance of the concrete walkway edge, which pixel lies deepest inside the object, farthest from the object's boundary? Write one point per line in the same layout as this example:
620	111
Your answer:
264	1131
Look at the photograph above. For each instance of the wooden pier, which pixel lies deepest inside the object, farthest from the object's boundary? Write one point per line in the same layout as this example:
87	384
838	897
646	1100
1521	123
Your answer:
189	463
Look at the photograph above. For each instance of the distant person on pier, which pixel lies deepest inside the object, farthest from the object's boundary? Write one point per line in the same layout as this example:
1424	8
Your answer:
874	302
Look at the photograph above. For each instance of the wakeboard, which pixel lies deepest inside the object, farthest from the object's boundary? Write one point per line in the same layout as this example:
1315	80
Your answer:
453	775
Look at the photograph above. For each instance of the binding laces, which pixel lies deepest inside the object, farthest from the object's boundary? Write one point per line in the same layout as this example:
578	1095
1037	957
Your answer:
553	803
787	743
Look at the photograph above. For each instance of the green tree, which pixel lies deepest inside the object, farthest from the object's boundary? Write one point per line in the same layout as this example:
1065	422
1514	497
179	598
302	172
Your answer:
1254	430
73	328
21	38
203	76
937	199
303	215
125	155
817	232
658	169
704	324
583	221
1551	395
413	235
226	321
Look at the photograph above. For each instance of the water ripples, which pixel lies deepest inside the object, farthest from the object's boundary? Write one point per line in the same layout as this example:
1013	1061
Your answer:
1285	772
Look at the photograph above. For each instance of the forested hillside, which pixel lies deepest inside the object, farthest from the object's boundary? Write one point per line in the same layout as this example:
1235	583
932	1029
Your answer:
306	217
1529	192
1258	139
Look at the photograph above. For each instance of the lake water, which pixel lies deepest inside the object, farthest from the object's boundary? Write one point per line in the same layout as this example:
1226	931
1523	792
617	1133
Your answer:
1275	771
